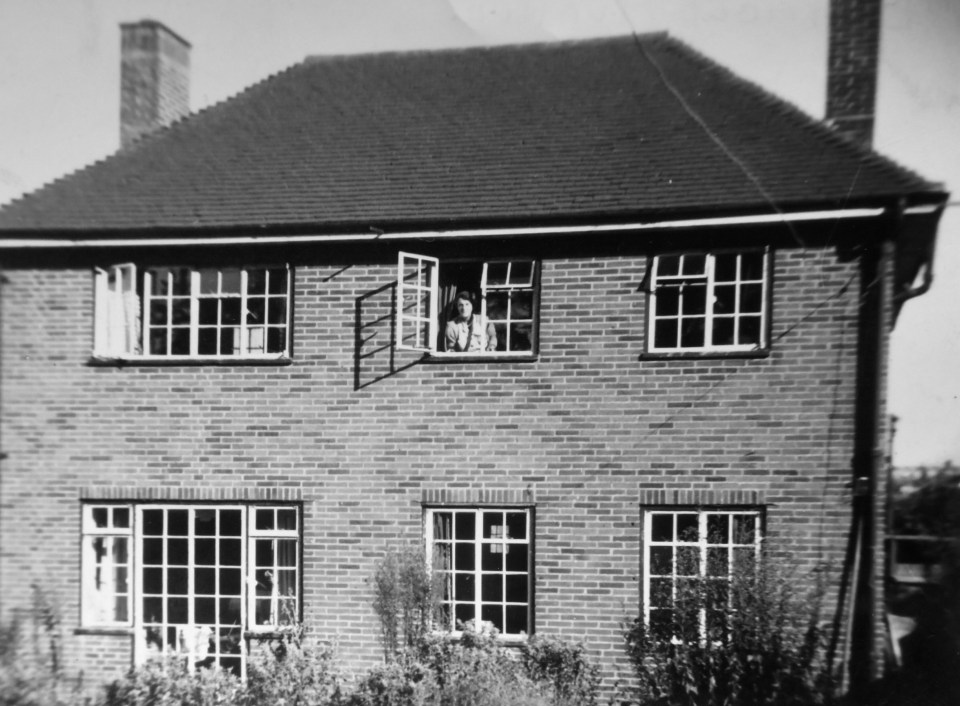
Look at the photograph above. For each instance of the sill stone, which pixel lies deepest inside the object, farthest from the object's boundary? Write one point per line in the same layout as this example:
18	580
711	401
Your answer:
705	355
441	358
158	362
108	631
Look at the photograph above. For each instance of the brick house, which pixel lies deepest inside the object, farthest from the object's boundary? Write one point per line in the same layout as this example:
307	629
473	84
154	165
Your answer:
227	388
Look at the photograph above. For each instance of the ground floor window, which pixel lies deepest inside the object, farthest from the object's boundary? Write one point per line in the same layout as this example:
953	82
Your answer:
485	558
191	580
690	557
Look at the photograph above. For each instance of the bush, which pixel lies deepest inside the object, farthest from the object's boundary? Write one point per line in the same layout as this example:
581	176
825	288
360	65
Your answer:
406	599
31	660
573	680
168	682
763	645
293	671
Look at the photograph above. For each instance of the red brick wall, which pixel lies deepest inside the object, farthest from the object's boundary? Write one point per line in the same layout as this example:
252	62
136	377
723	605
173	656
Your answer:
589	430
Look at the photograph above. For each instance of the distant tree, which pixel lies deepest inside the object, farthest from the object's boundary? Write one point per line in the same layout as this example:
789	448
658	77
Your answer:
934	508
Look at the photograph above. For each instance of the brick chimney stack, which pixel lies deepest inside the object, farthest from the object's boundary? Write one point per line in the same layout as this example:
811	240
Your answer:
852	68
154	79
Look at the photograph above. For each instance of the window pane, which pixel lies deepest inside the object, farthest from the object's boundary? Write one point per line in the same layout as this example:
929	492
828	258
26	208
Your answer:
692	333
694	299
492	587
751	298
264	519
668	300
256	310
465	525
177	552
442	525
497	305
725	299
694	264
723	331
717	561
230	310
516	620
492	614
276	339
521	337
181	281
263	551
278	281
493	527
181	311
230	552
158	312
464	613
516	557
725	268
230	281
665	333
661	592
205	581
661	528
286	519
100	516
661	560
177	522
744	529
521	272
750	329
516	525
177	582
286	552
465	556
491	557
277	309
230	582
209	312
180	341
463	587
751	266
517	588
205	552
152	522
496	273
153	581
205	522
522	305
668	265
231	524
688	527
152	551
256	282
718	527
158	342
209	281
688	561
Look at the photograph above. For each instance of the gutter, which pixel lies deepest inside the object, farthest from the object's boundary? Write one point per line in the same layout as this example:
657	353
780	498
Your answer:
663	225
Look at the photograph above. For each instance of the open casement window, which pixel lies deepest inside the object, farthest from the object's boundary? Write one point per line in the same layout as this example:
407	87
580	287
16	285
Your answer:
484	557
206	313
505	292
191	580
709	302
117	313
690	559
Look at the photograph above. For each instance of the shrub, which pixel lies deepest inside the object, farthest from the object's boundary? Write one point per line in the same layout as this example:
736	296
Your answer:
167	682
31	661
573	680
406	599
293	671
761	642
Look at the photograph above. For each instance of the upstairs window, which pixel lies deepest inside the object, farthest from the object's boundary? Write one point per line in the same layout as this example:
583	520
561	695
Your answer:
712	302
182	312
503	294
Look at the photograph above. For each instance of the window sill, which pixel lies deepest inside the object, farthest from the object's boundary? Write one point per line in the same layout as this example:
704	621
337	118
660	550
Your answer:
443	357
705	355
162	361
107	631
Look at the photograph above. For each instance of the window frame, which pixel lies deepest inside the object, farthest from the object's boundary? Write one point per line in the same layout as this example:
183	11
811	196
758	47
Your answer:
131	306
89	564
702	544
430	347
249	568
478	572
710	282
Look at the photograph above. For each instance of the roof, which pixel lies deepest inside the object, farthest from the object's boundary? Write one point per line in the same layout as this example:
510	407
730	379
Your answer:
597	129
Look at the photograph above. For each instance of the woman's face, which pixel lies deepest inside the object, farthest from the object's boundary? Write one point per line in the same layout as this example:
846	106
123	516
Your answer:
464	308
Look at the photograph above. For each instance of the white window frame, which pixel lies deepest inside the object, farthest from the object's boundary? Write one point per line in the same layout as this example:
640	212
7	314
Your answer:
93	570
477	572
122	314
708	278
134	535
426	287
702	544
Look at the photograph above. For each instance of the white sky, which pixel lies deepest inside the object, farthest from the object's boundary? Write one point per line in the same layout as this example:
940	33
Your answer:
60	74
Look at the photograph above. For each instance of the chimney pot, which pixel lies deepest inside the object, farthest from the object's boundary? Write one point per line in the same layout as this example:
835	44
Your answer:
154	79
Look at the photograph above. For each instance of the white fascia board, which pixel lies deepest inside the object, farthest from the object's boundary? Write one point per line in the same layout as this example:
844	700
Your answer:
773	218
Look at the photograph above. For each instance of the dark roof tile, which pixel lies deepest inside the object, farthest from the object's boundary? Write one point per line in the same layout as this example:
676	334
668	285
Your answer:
605	128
